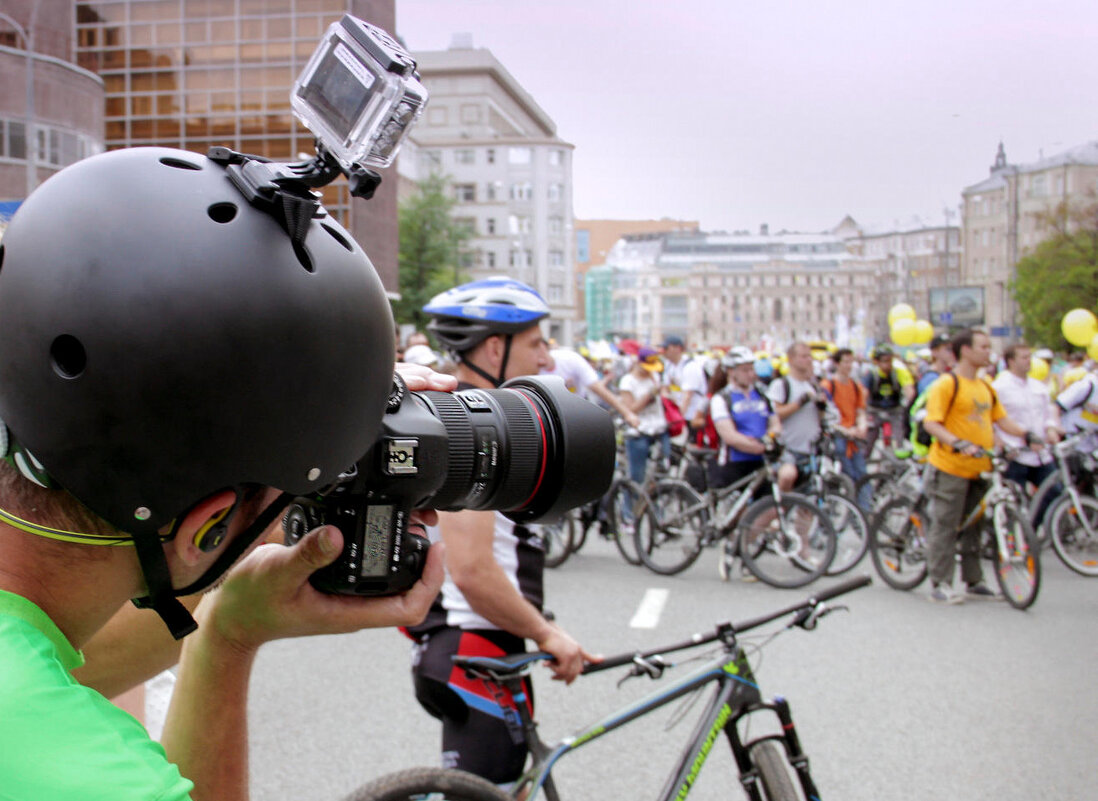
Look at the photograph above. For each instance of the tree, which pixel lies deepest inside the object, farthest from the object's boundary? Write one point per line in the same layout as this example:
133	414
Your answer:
1061	274
431	248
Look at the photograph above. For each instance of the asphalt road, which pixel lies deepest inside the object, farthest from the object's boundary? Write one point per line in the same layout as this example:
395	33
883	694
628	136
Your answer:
897	699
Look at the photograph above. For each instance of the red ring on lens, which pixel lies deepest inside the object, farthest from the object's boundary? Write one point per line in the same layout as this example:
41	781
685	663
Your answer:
544	448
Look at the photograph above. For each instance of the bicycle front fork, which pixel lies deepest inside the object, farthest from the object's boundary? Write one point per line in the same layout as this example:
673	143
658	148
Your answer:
749	775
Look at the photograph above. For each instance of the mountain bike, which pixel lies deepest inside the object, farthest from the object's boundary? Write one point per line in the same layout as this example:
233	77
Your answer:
898	539
1072	519
770	766
833	492
784	539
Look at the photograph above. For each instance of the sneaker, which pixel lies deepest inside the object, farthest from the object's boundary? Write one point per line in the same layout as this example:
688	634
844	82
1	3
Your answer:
981	592
945	594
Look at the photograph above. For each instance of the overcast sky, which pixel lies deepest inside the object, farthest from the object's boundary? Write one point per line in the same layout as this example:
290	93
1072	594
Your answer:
788	112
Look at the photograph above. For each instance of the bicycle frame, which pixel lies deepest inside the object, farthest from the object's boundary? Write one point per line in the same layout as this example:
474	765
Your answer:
737	696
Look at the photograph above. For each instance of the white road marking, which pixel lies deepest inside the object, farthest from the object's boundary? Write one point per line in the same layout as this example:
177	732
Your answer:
651	607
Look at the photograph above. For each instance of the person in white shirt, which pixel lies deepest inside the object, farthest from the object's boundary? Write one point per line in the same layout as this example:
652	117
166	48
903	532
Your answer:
640	392
1078	405
1027	403
580	377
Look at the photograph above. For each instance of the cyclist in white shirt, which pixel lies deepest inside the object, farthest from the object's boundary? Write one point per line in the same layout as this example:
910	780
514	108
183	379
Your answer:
580	377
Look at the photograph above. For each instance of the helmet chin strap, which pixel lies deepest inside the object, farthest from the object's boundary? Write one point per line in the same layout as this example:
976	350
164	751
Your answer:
494	381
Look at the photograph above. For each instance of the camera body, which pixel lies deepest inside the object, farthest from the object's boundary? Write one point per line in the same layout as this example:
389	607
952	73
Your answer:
530	449
359	94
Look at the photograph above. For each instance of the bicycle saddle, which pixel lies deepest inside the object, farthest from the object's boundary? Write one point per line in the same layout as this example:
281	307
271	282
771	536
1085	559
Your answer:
502	666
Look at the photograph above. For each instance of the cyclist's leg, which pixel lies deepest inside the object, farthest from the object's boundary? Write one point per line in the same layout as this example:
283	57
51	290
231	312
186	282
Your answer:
636	451
947	495
968	541
1037	476
476	736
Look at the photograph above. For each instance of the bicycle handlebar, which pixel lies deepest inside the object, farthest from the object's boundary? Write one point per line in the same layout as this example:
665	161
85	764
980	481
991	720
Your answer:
701	639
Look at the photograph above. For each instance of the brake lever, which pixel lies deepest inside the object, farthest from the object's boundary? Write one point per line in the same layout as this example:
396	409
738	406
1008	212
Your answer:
652	667
808	618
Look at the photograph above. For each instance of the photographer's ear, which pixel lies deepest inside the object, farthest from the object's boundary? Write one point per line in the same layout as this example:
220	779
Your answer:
204	526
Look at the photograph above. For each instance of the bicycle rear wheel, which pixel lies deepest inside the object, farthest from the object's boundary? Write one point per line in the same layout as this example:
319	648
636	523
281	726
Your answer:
897	544
775	773
1068	524
621	513
429	784
668	531
557	538
787	546
851	532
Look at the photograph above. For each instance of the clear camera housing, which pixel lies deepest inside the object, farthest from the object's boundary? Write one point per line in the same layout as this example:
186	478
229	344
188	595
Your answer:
359	94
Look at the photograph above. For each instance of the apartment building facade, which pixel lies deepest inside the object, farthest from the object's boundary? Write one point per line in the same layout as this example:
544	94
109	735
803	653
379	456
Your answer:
1001	221
510	174
761	290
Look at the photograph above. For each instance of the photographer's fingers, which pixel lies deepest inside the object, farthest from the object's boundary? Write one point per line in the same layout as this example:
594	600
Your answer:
419	378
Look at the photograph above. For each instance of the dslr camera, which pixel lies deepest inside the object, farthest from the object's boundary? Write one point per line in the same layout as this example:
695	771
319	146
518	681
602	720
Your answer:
530	449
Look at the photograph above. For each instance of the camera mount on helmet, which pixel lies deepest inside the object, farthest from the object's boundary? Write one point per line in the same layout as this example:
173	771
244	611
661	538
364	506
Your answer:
360	94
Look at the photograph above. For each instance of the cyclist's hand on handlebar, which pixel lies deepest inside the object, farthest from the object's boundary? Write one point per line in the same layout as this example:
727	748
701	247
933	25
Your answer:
267	596
966	448
568	656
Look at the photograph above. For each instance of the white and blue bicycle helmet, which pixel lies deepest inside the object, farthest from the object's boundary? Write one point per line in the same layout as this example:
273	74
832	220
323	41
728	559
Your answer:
466	315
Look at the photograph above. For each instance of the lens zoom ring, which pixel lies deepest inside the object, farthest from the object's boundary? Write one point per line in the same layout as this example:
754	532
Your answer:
459	473
525	452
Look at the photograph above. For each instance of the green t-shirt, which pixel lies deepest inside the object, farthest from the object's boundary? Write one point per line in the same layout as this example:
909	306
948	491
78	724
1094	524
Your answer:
59	739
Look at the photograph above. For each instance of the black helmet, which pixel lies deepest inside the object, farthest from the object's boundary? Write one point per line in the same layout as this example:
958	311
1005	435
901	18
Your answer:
161	340
882	350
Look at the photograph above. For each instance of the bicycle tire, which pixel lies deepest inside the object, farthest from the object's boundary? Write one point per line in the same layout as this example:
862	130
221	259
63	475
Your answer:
840	484
435	784
1051	485
880	485
775	772
767	550
1020	576
1075	548
557	538
621	518
897	544
669	530
851	532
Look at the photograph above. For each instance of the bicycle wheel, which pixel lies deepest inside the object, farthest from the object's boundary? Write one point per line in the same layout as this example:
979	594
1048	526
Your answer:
851	532
787	546
669	529
775	774
897	544
839	484
1069	524
1017	564
621	518
557	538
880	490
429	784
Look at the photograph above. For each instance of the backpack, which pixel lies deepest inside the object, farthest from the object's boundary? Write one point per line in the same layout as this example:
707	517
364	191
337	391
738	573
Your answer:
874	385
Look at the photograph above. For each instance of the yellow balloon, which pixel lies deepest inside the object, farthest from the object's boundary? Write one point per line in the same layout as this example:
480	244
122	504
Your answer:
1079	327
924	331
903	332
901	311
1038	368
1092	348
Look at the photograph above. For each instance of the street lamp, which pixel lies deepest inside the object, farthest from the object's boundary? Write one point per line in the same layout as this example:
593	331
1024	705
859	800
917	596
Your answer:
31	138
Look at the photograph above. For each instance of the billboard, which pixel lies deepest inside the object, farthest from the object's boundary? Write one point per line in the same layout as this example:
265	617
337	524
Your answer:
957	306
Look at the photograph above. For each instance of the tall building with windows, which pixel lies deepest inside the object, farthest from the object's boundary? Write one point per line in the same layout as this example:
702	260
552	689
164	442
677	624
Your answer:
1001	217
51	110
510	174
197	73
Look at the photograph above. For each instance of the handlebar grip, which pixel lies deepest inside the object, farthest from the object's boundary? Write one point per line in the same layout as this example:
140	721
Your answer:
842	589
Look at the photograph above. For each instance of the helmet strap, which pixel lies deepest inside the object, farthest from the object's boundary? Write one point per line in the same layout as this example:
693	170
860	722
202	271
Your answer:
493	380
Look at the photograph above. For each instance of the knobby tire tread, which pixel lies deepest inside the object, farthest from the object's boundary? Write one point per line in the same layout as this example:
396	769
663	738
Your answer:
414	783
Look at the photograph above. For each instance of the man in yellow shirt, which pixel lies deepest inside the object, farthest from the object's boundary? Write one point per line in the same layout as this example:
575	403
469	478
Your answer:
960	411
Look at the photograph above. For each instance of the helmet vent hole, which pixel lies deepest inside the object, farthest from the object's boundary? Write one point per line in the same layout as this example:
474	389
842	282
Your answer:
68	356
179	164
222	212
337	236
304	257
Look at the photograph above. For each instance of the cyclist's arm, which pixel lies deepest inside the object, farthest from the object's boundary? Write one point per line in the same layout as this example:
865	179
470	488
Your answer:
601	389
470	560
726	430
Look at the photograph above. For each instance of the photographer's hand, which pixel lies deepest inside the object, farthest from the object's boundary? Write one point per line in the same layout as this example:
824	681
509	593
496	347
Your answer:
420	378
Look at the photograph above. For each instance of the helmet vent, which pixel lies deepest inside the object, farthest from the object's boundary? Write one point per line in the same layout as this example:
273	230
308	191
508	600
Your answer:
68	356
222	212
304	257
337	236
179	164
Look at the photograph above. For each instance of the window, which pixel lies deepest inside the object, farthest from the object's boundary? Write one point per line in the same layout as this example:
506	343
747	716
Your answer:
556	258
430	159
468	224
556	192
495	190
556	225
556	158
522	191
490	258
556	293
490	225
519	155
490	155
465	193
466	156
518	225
